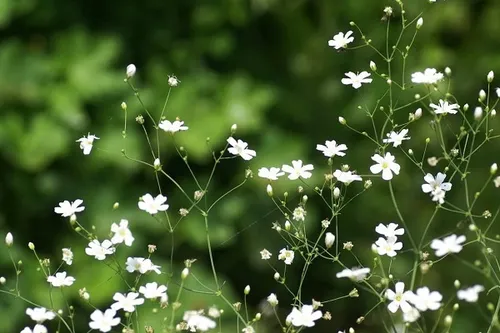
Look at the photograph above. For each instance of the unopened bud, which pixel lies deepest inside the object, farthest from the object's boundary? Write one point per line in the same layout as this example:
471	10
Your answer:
130	71
420	22
185	273
373	66
456	283
288	225
418	113
493	113
482	95
490	76
173	81
336	192
234	127
269	190
157	164
277	276
447	71
329	239
493	168
448	320
342	120
9	239
31	246
2	280
246	291
124	106
465	107
456	307
116	205
478	113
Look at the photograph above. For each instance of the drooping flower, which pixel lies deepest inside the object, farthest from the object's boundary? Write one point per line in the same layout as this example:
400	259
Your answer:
153	205
341	40
429	76
103	322
265	254
240	148
387	165
172	127
356	80
86	143
449	244
272	299
330	148
306	316
444	107
411	316
122	233
397	138
399	298
67	208
297	170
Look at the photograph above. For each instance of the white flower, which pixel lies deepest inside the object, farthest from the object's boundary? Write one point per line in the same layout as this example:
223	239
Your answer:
121	233
387	165
450	244
329	240
265	254
271	173
397	138
304	317
388	246
86	143
40	314
399	298
287	256
429	76
434	184
214	312
272	299
195	321
299	214
37	329
470	294
331	149
153	205
425	300
297	170
248	329
390	230
355	274
141	265
153	290
60	280
496	181
103	321
130	70
438	195
444	107
67	256
67	208
341	40
240	148
356	80
173	81
411	316
346	177
126	302
100	250
172	127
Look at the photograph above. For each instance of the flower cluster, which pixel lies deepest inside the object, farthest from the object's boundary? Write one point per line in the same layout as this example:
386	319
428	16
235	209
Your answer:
388	245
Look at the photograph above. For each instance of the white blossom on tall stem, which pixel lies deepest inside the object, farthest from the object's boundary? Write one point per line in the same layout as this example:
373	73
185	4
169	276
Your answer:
172	127
122	233
67	256
60	280
429	76
355	274
356	80
67	208
397	138
387	165
271	173
346	177
435	183
153	205
341	40
103	321
100	250
444	107
287	256
470	294
423	299
240	148
39	328
298	170
40	314
330	148
390	230
196	321
126	302
399	298
449	244
388	246
86	143
306	316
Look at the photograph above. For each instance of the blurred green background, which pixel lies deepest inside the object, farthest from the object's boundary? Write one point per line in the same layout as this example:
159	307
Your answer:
263	64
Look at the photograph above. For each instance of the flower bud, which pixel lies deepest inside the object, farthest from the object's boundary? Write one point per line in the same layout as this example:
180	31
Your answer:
456	283
482	95
185	273
342	121
493	113
447	71
420	22
287	225
234	127
493	168
246	291
448	320
2	280
373	66
456	307
277	276
157	164
329	239
418	113
31	246
269	190
9	239
116	205
465	107
173	81
478	113
336	192
130	71
498	92
490	76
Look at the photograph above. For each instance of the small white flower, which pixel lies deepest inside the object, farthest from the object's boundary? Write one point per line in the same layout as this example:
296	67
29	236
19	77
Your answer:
299	214
67	256
60	280
40	314
341	40
265	254
470	294
397	138
141	265
126	302
444	107
67	208
391	230
304	317
434	184
172	127
411	316
425	300
214	312
37	329
356	80
287	256
122	233
271	173
297	170
346	177
153	290
86	143
399	298
388	246
449	244
153	205
196	321
239	148
173	81
103	322
387	165
355	274
100	250
130	70
429	76
331	148
272	299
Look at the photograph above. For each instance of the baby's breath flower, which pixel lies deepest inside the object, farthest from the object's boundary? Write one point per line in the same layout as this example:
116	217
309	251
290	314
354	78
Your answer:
356	80
429	76
387	165
298	170
399	298
153	205
67	256
348	246
239	148
470	294
272	299
449	244
86	143
341	40
172	127
287	256
420	22
173	81
60	280
432	161
444	107
355	274
299	214
306	316
490	76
